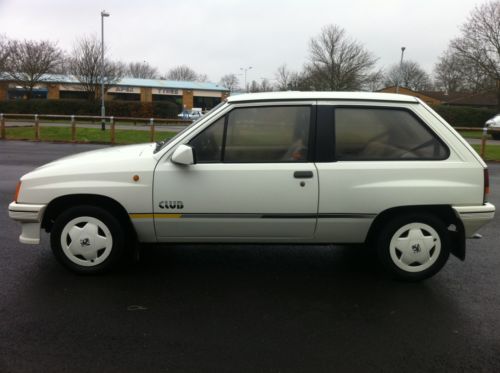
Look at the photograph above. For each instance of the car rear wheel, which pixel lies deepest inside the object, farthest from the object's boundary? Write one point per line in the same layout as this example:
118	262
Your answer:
414	247
87	239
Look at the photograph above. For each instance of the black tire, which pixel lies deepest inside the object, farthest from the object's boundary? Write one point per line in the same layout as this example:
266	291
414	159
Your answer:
109	233
495	135
407	259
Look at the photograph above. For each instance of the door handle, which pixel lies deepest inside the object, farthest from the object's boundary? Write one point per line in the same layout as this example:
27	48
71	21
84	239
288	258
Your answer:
303	174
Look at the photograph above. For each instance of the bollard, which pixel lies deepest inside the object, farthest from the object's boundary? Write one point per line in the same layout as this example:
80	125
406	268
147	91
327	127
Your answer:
483	142
2	127
152	129
73	129
112	123
37	128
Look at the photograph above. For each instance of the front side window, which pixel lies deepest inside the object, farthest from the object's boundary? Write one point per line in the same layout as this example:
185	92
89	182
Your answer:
208	144
256	135
268	134
383	134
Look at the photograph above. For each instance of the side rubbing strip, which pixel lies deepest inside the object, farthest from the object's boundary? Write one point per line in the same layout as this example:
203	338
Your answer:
251	216
151	216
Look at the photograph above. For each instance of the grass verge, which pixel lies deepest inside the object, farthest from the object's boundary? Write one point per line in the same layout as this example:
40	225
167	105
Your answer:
474	135
492	152
84	135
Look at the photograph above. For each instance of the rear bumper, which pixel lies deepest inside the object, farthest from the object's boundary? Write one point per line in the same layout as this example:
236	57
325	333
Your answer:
474	217
30	216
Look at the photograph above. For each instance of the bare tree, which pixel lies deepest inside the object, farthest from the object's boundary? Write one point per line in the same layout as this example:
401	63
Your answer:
283	78
479	43
453	73
374	81
337	63
449	72
266	86
202	78
85	66
182	72
230	81
28	61
253	87
141	70
4	52
409	75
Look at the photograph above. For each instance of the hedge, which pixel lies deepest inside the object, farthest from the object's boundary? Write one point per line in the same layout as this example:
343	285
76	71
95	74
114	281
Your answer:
459	116
81	107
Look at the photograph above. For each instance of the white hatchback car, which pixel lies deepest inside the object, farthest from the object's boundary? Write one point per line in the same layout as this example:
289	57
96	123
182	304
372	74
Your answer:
293	167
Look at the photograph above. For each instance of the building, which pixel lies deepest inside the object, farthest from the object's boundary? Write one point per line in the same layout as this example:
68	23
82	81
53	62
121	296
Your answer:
185	94
486	99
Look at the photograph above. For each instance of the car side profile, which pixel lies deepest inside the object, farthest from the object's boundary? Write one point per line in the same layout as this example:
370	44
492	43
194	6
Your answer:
282	167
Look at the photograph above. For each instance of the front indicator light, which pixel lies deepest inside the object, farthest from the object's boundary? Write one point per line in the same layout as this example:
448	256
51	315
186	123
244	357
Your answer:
18	189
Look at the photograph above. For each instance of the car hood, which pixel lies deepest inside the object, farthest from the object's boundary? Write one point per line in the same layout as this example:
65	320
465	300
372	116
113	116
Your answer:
102	160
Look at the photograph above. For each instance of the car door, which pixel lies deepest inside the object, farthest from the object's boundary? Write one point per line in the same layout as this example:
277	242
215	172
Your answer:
253	179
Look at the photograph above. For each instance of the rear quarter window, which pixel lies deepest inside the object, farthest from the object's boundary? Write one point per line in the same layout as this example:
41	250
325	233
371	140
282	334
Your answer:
384	134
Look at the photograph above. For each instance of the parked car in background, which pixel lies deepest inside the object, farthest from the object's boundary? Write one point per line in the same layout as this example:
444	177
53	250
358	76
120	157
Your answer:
282	167
193	114
493	125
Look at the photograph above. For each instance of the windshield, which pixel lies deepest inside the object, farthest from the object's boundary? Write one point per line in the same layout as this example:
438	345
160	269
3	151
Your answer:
161	144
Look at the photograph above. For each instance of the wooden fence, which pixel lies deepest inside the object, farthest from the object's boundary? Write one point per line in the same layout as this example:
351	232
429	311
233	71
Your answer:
73	120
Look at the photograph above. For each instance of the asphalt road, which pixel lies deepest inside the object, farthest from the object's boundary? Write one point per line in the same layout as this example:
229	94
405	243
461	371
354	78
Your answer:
241	308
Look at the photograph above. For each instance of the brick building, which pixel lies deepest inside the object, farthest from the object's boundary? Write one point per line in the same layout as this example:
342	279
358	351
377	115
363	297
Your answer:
485	99
185	94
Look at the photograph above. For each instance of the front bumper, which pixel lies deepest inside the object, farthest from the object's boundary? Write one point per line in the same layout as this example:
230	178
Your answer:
474	217
30	216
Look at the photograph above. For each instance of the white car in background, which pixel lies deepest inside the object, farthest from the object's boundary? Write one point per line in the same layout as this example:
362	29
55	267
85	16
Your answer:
493	125
193	114
281	167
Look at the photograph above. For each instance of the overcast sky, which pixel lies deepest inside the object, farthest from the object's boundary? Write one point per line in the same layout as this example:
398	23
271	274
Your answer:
218	37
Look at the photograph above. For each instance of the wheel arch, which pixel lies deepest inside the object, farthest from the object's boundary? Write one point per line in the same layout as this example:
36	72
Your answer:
59	204
443	212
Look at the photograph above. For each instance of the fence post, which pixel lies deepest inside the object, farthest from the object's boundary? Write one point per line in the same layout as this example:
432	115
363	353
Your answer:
112	122
73	129
37	128
152	129
2	127
483	142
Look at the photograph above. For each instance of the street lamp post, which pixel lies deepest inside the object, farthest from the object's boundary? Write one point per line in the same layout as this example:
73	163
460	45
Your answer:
103	109
245	69
400	68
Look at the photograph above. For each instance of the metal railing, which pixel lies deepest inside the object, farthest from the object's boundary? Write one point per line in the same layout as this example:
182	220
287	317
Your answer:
73	120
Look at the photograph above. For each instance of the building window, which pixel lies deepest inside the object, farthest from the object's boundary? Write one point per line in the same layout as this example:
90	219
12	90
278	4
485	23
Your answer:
125	96
206	103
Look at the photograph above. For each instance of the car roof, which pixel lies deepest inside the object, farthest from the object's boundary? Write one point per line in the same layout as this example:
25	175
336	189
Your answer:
341	96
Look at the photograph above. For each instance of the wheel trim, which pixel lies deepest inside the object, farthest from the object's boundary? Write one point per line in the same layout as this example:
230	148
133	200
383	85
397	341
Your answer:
415	247
86	241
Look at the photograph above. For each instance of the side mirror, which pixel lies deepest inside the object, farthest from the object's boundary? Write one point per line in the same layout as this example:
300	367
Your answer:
183	155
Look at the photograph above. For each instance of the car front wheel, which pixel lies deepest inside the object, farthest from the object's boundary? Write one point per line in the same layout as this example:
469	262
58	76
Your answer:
87	239
414	247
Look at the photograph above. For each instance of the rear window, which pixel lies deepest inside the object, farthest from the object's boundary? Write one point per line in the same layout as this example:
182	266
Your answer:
384	134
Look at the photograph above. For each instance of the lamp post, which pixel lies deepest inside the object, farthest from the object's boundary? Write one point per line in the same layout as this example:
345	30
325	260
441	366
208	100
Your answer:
245	69
400	68
103	109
